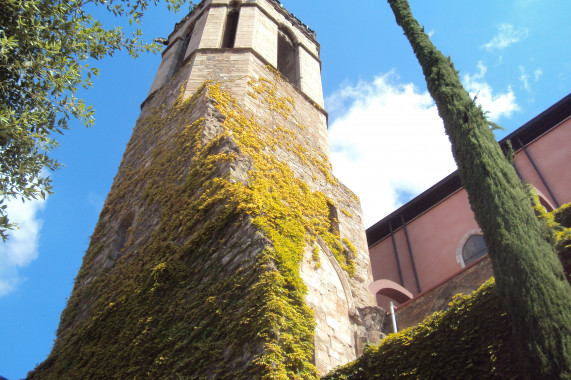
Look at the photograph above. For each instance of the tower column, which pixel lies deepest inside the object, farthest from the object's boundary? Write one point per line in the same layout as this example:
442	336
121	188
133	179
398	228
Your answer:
226	248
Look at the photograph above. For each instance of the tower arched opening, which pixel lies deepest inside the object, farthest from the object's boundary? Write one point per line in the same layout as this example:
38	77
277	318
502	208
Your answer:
182	51
231	26
288	61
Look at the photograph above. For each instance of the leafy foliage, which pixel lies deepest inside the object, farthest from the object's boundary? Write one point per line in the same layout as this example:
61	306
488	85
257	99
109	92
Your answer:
557	228
45	49
530	278
470	340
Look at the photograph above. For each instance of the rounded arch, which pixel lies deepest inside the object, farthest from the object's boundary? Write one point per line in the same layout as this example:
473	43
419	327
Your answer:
471	247
286	30
390	289
547	205
461	244
288	55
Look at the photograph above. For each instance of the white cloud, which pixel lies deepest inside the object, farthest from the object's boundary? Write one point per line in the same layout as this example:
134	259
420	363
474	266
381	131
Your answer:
387	143
497	105
507	35
524	77
21	248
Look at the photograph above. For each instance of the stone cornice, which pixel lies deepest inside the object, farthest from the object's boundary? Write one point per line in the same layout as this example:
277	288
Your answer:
240	50
200	9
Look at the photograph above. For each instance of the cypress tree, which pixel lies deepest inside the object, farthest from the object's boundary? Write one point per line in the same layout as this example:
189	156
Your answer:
529	276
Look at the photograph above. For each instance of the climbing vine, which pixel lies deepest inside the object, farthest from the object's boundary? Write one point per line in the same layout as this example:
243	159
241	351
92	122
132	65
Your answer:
213	289
470	340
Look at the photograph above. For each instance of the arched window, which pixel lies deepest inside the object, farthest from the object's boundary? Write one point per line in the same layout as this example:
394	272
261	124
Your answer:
474	248
231	26
119	240
182	51
121	235
287	57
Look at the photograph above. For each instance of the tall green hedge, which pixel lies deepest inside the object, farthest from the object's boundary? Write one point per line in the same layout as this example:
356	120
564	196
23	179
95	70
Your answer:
470	340
530	279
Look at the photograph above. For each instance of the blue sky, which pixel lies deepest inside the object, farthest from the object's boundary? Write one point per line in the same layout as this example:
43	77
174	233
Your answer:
387	142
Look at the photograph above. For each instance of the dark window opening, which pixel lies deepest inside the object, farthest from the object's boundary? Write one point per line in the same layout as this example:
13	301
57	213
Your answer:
474	248
333	220
182	51
121	235
231	28
117	246
287	57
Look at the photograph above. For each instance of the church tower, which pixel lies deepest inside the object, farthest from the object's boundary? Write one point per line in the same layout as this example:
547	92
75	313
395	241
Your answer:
226	248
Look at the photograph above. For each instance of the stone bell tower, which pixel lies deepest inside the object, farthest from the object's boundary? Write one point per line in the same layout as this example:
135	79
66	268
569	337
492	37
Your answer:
225	248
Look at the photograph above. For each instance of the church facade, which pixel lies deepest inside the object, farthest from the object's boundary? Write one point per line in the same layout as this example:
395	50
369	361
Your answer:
432	248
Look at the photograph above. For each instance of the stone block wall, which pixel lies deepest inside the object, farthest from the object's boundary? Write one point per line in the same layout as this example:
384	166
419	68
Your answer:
225	205
257	30
214	28
264	36
310	72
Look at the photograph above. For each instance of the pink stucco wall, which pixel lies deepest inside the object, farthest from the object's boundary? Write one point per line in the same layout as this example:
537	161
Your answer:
439	233
552	155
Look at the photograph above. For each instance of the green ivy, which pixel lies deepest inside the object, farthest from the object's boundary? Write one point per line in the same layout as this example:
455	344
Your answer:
470	340
201	296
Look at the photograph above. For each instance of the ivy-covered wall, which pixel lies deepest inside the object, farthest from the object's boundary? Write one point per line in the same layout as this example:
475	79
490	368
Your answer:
557	225
471	339
193	270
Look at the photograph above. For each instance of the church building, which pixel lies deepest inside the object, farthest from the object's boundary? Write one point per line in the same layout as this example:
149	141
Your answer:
431	248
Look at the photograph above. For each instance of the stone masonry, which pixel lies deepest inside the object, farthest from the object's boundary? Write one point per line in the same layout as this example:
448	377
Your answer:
182	274
254	50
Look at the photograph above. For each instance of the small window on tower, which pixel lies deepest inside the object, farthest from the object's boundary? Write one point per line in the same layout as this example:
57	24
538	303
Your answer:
119	242
231	26
287	57
333	219
182	52
122	233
